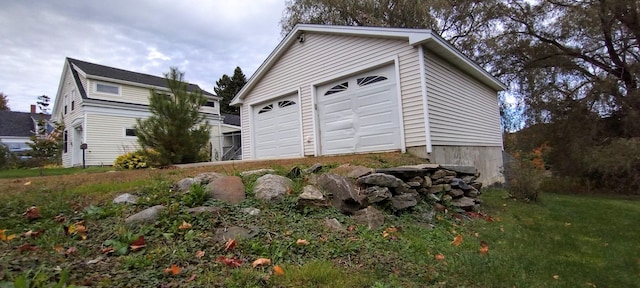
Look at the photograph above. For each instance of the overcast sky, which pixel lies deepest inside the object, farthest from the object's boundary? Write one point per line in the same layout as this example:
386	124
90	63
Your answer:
203	38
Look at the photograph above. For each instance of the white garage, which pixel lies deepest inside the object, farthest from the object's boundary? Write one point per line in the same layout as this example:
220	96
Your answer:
277	128
359	113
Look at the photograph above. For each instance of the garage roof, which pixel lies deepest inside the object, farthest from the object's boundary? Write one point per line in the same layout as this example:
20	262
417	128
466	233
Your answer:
415	37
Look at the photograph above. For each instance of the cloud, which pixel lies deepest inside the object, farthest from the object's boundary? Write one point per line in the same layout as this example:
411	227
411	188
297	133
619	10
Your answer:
205	39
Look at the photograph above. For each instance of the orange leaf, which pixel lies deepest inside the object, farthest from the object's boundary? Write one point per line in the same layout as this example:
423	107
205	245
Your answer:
457	241
60	218
231	262
439	257
106	250
137	244
4	237
71	250
277	270
184	225
261	261
301	242
193	277
32	213
174	270
484	248
199	254
58	248
32	233
231	244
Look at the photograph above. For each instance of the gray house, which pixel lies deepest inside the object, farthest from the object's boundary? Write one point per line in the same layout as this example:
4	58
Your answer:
329	90
17	127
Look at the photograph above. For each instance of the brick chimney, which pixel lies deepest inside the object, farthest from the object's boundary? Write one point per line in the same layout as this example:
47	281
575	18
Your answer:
33	109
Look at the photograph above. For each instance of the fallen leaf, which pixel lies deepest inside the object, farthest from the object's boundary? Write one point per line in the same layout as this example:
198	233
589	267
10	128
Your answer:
32	213
439	257
591	284
71	250
27	247
199	254
352	227
174	270
58	248
301	242
32	233
556	277
232	262
231	244
261	261
287	233
457	240
476	234
137	244
501	229
5	237
27	183
60	218
184	225
107	250
277	270
484	248
567	224
193	277
94	261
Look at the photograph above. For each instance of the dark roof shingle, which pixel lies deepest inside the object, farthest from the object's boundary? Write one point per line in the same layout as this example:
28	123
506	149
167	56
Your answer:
18	124
120	74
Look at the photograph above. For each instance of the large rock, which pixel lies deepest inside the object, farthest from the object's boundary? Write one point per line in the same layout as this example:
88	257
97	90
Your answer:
272	187
125	198
334	225
404	201
459	184
351	171
455	193
229	189
381	179
184	184
313	169
206	177
377	194
257	172
369	216
465	203
312	196
147	215
427	182
251	211
440	188
438	174
343	194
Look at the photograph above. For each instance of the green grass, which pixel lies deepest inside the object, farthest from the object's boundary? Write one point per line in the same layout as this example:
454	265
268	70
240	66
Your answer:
35	172
583	241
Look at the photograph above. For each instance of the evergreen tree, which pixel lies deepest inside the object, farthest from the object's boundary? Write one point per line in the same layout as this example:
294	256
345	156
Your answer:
176	129
46	146
4	102
227	88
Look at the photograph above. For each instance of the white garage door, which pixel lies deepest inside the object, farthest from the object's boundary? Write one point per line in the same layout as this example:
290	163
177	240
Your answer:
359	113
277	128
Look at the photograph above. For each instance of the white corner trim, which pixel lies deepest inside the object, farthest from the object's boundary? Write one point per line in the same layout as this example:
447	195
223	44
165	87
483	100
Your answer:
396	61
252	143
300	121
314	118
425	100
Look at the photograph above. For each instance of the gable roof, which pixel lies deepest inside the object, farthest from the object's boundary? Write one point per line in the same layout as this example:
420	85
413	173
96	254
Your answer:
415	37
101	71
18	124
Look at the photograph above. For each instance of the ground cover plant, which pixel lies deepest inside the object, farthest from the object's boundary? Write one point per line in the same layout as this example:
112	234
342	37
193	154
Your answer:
64	230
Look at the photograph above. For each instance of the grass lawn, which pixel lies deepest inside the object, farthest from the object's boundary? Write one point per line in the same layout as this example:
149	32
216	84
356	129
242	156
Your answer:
562	241
35	172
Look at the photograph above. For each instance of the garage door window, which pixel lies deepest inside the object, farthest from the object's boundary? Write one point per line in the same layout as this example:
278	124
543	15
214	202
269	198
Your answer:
285	103
266	109
370	80
338	88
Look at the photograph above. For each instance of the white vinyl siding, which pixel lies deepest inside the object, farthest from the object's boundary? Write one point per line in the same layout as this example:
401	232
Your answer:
323	57
462	111
106	139
128	93
72	115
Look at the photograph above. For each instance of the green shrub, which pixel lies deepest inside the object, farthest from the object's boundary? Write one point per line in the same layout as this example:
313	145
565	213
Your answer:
4	155
615	167
132	160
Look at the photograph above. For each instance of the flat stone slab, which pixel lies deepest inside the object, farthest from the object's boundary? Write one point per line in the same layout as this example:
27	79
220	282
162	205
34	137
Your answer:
126	198
203	209
461	169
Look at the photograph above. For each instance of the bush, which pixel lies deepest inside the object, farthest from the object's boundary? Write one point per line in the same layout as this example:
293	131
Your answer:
523	179
132	160
615	167
4	155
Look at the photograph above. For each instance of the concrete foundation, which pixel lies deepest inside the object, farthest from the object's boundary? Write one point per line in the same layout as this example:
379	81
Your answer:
488	160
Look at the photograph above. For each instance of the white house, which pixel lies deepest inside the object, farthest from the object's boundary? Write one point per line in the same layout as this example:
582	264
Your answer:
328	90
99	106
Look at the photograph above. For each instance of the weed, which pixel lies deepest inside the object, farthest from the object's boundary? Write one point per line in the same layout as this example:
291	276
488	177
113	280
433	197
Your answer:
196	196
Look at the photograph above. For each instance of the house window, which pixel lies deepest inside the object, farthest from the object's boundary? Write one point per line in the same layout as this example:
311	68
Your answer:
338	88
370	80
107	88
266	109
65	142
130	132
65	109
285	103
210	104
73	105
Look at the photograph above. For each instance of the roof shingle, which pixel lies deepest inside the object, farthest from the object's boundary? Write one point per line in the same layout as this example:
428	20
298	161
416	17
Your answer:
18	124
